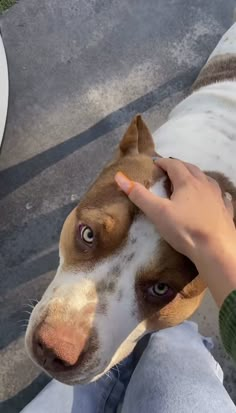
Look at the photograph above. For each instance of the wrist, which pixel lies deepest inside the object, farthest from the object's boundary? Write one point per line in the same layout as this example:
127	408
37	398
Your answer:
214	248
216	264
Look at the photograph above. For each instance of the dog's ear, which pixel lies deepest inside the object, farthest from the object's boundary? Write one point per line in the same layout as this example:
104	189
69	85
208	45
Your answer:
137	139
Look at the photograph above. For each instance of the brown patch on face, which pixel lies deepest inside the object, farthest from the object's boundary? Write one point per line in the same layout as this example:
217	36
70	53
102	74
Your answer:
179	273
105	209
218	69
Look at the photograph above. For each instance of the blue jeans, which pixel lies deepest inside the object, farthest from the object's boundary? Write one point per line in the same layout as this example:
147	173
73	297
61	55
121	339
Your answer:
172	372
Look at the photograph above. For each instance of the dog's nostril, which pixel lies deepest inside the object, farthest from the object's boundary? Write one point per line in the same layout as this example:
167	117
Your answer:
58	345
48	359
57	362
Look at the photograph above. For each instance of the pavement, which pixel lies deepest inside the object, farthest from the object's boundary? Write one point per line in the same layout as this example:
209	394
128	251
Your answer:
79	70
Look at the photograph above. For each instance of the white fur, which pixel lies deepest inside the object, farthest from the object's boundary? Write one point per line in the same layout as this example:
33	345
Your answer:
202	130
159	189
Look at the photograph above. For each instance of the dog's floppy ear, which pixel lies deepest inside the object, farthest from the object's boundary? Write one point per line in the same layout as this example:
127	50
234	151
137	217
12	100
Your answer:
137	139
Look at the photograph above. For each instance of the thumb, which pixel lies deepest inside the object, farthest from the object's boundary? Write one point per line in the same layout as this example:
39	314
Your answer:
149	203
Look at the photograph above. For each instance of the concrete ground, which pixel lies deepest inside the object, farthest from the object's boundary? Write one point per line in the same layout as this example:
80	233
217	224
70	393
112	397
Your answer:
79	70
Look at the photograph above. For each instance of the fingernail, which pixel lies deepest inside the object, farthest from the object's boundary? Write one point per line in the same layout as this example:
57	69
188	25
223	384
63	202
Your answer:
124	183
228	196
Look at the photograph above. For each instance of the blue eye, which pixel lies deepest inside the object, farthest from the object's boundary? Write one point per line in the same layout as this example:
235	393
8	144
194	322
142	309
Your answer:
159	289
86	234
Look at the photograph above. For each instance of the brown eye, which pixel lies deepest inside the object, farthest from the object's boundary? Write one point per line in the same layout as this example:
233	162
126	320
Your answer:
86	234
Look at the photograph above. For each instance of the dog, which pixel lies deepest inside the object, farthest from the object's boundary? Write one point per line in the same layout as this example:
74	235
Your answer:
117	278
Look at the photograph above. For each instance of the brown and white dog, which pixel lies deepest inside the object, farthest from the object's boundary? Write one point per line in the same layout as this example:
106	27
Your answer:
117	278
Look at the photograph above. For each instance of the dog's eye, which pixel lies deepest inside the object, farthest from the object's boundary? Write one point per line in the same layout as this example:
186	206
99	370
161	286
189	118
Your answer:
86	234
159	289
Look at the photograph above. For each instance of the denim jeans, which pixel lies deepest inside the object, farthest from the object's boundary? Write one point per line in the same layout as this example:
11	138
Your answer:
170	371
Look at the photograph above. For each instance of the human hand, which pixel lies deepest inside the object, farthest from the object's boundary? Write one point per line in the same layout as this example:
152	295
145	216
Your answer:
195	218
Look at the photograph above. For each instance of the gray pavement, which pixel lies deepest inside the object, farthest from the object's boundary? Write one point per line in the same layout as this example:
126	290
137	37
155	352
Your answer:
79	70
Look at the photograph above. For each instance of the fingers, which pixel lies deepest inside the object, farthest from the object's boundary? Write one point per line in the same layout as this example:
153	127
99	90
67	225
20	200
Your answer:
213	182
175	169
149	203
179	168
195	171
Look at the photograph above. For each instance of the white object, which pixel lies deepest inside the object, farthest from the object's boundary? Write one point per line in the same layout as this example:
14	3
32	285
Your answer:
4	89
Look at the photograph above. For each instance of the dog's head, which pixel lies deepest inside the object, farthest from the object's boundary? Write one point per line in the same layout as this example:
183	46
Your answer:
117	278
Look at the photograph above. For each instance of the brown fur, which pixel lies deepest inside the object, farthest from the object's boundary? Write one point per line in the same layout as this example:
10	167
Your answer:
181	276
218	69
106	208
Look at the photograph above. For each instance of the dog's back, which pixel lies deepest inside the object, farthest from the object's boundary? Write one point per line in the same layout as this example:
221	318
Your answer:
202	128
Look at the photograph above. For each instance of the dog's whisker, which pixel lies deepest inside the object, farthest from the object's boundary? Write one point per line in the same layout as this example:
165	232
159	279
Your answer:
32	302
108	375
27	312
24	320
116	367
33	299
28	305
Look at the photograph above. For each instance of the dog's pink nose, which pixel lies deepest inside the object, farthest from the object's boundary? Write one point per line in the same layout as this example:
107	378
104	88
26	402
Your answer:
57	347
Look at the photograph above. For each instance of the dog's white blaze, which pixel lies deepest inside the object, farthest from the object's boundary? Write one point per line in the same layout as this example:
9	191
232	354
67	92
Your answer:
227	44
121	317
